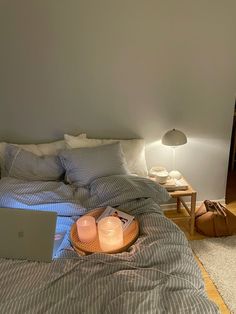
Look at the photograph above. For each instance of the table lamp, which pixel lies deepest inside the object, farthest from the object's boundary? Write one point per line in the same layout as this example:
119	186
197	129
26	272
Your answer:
174	138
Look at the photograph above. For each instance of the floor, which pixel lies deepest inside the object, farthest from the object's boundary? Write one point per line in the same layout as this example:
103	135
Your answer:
182	220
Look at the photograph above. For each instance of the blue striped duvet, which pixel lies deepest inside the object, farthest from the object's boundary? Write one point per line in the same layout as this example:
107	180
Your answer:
158	274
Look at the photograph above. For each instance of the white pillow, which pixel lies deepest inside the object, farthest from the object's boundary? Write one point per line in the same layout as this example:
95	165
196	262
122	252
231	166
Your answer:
134	150
37	149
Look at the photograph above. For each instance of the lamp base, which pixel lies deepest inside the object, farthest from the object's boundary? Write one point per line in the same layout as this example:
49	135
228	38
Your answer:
175	174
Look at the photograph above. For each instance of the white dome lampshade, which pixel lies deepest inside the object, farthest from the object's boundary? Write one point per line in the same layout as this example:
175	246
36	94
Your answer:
174	138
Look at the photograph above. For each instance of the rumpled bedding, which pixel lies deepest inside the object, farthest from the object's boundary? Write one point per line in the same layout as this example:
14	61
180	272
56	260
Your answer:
157	274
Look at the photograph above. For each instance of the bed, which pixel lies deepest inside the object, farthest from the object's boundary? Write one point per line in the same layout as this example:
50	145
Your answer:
157	274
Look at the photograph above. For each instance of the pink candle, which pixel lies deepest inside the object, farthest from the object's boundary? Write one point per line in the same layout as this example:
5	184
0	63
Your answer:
86	228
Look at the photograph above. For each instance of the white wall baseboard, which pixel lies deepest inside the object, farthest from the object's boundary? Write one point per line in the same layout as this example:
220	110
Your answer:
171	206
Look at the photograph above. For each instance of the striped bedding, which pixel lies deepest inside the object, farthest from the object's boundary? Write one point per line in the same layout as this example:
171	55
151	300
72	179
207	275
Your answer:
158	273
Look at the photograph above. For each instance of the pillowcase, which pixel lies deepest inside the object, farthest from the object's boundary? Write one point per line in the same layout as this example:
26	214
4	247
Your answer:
25	165
134	150
83	165
37	149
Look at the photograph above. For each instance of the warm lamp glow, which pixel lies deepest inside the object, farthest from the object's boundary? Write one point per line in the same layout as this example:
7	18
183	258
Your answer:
174	138
110	233
86	228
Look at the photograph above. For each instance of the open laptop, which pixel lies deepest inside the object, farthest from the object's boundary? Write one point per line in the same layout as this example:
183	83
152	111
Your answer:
27	234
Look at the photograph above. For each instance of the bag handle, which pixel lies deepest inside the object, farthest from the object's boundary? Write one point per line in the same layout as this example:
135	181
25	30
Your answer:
221	209
215	207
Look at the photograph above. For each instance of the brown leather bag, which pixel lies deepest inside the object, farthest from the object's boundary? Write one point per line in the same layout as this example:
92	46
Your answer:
214	220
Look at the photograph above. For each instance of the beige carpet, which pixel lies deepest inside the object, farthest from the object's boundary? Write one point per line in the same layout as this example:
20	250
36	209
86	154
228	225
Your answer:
218	256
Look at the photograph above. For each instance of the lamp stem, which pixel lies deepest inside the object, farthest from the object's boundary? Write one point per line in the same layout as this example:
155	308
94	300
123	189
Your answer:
173	157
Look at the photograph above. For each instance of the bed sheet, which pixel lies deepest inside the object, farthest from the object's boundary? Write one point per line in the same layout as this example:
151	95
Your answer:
158	273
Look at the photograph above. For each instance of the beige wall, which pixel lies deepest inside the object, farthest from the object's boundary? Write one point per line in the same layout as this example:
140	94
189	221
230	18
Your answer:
123	69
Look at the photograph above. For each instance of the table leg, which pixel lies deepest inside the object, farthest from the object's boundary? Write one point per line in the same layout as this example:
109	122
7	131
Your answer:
192	213
178	203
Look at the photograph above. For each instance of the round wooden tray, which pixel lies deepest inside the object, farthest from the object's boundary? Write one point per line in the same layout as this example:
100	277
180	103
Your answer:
130	236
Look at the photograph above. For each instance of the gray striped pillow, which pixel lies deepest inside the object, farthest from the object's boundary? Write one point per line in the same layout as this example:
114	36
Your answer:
83	165
25	165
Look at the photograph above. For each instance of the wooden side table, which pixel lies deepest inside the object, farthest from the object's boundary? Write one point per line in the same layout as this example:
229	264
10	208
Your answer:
179	200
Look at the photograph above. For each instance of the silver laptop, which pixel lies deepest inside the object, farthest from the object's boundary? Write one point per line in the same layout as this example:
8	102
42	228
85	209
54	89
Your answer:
27	234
